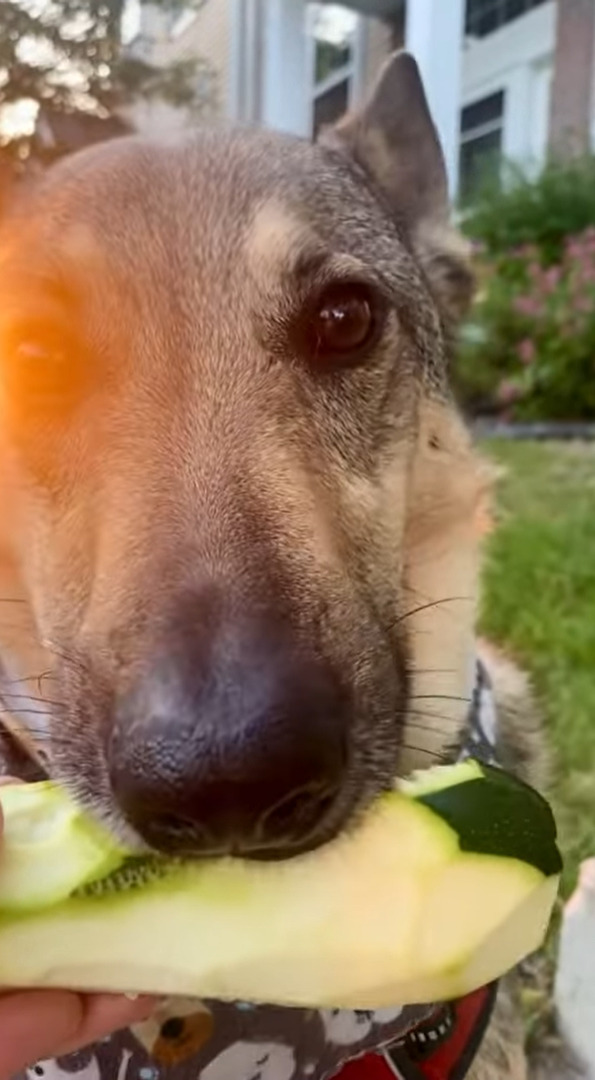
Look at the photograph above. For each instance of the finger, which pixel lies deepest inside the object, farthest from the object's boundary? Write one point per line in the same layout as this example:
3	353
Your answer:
104	1014
4	782
33	1024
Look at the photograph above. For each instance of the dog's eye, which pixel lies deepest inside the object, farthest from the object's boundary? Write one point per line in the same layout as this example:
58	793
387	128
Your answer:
40	365
342	324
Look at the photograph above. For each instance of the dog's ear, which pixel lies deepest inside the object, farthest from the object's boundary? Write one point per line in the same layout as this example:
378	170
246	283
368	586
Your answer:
394	140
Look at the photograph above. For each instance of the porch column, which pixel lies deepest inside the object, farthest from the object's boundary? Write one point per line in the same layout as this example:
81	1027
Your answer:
434	35
285	98
570	108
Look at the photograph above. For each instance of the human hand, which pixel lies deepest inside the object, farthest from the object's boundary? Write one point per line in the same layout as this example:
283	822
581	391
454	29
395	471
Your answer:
39	1024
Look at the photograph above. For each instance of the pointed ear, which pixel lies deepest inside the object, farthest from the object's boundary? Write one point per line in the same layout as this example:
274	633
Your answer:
394	140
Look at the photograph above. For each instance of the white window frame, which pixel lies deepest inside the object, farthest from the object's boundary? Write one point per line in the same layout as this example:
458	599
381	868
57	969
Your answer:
352	72
490	126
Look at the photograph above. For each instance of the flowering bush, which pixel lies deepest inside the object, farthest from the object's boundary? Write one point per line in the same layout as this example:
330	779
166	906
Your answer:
529	351
540	211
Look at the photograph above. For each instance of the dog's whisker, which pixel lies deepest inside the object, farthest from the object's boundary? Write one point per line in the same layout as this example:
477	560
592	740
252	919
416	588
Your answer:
424	750
433	604
4	695
440	697
68	658
19	680
6	711
432	671
426	715
429	728
15	628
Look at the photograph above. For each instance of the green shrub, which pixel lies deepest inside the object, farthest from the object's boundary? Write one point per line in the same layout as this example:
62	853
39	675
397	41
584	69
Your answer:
529	350
542	211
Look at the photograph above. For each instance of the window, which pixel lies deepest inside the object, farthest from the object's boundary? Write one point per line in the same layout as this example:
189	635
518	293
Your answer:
181	21
334	46
485	16
482	125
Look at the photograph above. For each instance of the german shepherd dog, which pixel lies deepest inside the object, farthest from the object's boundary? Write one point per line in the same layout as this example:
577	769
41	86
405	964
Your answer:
239	529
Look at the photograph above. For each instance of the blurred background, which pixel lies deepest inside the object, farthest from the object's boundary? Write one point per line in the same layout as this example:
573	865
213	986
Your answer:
511	85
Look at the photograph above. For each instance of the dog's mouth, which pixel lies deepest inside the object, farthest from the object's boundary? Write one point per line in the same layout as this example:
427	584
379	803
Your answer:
305	819
265	758
301	821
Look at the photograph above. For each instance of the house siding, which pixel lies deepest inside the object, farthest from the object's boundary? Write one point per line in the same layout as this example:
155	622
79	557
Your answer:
209	35
378	45
572	87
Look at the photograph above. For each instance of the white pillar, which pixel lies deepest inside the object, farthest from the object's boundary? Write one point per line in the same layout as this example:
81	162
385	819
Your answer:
434	35
285	98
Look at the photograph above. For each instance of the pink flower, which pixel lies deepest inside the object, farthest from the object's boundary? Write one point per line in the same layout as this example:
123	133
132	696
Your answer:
574	249
528	251
526	351
527	305
551	278
508	392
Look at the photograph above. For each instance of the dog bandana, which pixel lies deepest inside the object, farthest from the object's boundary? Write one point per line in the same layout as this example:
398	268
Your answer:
195	1040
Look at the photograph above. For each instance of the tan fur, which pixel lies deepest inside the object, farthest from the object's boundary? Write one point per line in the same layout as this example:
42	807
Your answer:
442	557
276	236
209	449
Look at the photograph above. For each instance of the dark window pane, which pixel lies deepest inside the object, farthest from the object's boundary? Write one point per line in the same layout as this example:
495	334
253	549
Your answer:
488	21
479	11
486	111
514	8
485	16
330	106
479	161
330	58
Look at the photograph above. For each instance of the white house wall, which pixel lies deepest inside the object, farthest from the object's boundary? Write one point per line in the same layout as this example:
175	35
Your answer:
273	88
208	35
518	60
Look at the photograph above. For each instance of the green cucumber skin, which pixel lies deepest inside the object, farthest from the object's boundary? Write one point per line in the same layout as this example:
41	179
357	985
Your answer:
492	814
487	811
500	815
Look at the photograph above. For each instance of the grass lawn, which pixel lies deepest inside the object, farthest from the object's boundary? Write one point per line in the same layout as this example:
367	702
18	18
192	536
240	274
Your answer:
539	602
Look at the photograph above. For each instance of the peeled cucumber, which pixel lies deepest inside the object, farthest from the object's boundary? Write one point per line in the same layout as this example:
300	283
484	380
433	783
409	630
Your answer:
447	883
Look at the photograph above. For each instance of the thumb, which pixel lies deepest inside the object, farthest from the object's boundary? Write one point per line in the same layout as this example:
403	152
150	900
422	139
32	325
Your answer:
33	1024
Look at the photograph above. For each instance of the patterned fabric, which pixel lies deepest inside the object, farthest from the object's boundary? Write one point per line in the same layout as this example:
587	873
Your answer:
442	1048
192	1040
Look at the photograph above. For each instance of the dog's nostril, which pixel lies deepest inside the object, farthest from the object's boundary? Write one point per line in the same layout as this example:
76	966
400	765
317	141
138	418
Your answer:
239	747
297	813
174	825
175	834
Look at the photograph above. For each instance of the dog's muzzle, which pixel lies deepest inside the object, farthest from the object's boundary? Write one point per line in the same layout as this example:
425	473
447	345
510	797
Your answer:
233	741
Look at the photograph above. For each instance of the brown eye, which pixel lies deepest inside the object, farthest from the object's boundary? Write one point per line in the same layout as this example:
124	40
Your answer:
343	323
40	366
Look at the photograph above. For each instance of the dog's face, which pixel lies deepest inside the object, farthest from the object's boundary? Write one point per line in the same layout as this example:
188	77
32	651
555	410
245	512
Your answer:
217	363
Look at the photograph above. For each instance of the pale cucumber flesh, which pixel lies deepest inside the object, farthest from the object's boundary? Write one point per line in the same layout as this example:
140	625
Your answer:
395	913
49	847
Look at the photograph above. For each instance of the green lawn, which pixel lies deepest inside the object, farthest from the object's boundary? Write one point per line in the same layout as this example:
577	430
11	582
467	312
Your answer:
539	602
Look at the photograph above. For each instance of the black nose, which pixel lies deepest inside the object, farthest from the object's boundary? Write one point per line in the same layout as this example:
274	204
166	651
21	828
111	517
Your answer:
230	743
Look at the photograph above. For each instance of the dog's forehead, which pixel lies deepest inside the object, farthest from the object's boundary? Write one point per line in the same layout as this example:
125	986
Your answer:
223	197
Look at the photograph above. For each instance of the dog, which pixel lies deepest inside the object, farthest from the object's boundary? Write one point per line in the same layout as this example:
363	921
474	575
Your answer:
241	514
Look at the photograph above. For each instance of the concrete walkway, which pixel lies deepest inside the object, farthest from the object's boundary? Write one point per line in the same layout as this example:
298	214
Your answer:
574	991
